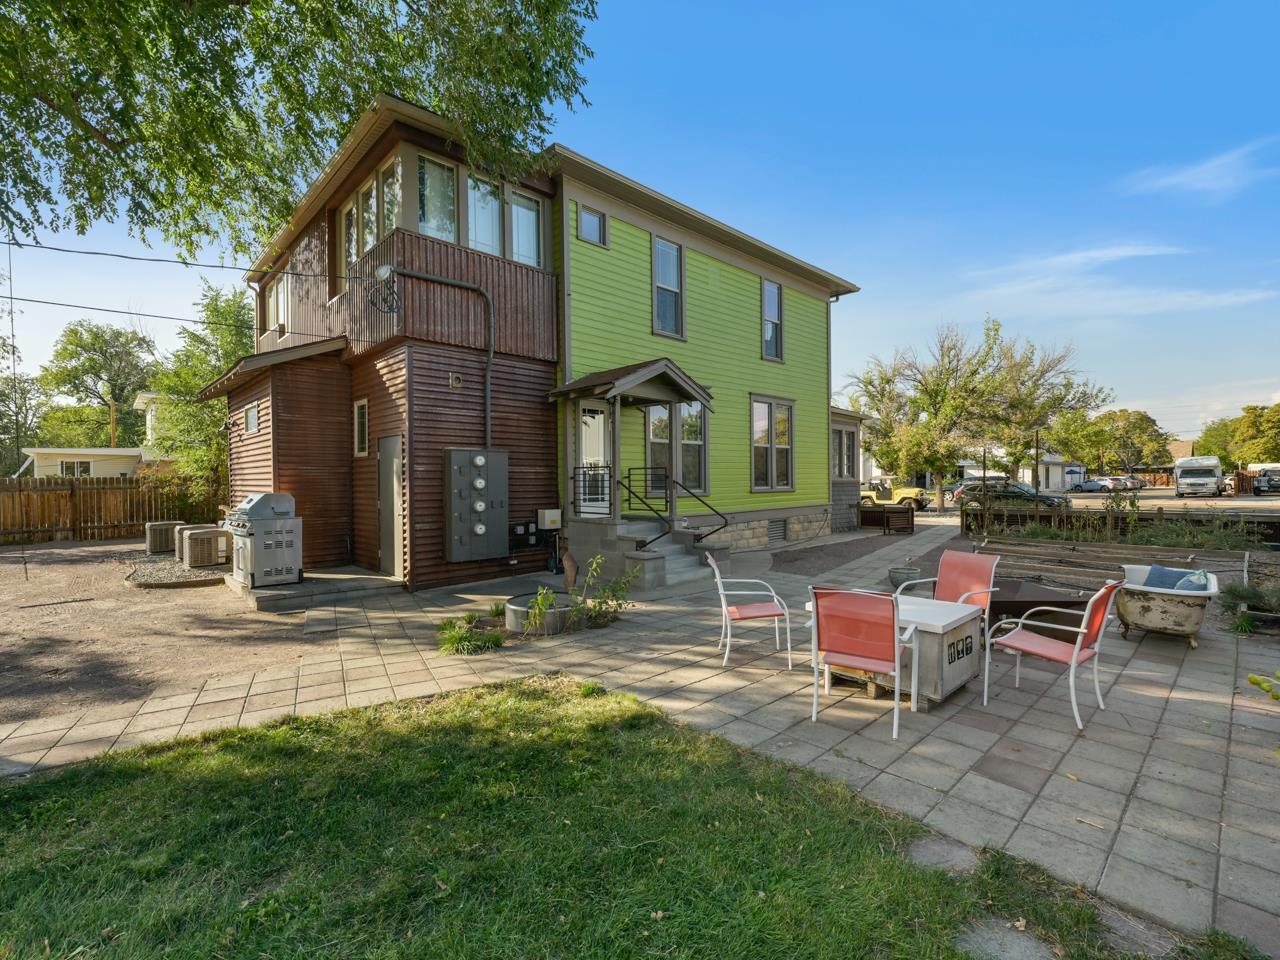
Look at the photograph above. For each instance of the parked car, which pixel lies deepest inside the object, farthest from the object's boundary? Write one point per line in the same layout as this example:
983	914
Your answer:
1136	482
1268	481
949	491
882	491
1112	484
1007	493
1092	485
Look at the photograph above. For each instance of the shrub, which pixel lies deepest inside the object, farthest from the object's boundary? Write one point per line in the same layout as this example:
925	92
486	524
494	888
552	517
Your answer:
497	610
606	604
464	637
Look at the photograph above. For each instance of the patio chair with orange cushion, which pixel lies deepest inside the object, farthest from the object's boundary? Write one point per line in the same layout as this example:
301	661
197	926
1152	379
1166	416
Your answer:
964	578
1020	640
767	606
859	629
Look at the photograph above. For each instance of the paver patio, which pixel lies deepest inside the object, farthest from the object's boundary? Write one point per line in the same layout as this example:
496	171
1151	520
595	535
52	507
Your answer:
1165	804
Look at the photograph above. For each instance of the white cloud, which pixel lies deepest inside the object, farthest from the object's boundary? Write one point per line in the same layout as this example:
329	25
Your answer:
1074	285
1219	178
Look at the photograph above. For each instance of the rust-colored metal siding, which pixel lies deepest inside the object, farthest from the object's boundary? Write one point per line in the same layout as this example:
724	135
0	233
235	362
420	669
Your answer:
381	379
524	298
313	318
252	463
442	416
313	444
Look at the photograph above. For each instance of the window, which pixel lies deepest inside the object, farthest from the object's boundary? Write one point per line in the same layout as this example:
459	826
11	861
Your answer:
251	418
771	317
348	244
693	445
437	200
526	230
389	192
484	217
668	303
73	468
844	454
368	218
279	303
360	424
771	461
591	226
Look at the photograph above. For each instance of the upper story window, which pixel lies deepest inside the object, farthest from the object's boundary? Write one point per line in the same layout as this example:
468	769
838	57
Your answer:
771	318
279	303
484	216
437	200
771	422
592	226
526	229
371	213
668	288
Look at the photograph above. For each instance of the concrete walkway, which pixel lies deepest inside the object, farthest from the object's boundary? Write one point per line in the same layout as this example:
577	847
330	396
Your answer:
1166	803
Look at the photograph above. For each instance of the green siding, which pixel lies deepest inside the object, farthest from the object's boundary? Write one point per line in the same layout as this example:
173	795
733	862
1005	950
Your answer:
612	306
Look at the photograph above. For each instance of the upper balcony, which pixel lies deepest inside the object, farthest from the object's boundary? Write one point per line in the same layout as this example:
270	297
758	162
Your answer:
524	301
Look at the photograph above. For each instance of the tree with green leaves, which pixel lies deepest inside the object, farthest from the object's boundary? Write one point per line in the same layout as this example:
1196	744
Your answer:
1035	386
22	403
193	432
929	409
103	366
1217	439
198	120
1256	434
1078	436
1133	439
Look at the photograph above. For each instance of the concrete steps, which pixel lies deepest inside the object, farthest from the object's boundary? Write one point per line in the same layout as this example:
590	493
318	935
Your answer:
323	588
683	563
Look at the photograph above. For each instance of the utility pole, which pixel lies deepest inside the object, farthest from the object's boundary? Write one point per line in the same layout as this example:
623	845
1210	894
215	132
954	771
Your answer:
1036	485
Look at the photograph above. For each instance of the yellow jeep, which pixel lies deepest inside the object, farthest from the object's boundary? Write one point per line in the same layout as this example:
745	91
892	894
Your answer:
881	491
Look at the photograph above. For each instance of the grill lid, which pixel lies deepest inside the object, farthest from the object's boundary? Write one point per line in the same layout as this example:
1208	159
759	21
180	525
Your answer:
263	506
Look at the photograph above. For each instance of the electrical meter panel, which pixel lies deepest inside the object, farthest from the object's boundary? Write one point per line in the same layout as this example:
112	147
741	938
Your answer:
475	504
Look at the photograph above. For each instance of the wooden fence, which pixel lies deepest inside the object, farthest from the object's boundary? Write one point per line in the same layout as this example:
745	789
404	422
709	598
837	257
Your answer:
40	509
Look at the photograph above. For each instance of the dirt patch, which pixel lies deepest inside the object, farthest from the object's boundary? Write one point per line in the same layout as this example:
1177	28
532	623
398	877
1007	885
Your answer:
75	635
819	559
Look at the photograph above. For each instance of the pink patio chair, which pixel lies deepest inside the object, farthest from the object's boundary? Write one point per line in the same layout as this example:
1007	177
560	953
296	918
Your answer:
964	578
1021	640
859	629
734	611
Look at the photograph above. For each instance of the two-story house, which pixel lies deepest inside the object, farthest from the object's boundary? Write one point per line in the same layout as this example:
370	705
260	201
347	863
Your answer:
600	348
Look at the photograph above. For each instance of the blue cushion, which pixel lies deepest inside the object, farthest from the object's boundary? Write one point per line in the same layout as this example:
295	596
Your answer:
1199	580
1164	578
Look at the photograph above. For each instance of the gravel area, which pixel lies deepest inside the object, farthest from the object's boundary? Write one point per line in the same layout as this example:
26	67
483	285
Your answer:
161	568
818	559
75	635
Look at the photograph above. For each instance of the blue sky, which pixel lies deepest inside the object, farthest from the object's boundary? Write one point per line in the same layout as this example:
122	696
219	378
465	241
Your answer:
1101	174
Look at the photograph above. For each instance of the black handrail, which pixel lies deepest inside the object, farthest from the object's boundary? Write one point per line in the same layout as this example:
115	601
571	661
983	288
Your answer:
724	521
634	498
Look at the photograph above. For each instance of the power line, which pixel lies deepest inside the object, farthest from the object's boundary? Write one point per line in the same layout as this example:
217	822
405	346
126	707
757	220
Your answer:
162	316
176	260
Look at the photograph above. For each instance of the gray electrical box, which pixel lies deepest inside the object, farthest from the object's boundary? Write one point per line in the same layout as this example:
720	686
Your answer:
475	504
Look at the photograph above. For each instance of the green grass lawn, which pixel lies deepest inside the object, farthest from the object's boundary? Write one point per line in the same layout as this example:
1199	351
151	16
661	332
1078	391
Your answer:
533	819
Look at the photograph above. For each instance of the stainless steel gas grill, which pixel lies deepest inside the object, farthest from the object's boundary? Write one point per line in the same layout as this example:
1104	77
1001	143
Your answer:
266	540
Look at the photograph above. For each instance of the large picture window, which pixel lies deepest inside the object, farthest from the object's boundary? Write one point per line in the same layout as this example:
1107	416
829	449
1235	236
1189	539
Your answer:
668	288
693	445
771	445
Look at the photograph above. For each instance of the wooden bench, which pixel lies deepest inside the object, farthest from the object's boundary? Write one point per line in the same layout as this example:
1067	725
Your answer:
889	518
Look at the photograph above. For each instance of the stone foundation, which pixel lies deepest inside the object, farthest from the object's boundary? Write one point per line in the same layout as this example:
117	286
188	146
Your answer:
754	534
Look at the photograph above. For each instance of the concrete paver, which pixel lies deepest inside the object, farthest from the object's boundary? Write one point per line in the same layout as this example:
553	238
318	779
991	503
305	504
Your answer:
1165	803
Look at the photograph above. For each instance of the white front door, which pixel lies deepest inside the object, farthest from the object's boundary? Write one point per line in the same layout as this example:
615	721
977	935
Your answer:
593	482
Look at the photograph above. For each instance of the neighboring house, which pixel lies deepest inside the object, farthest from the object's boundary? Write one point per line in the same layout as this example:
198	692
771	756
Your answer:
1057	473
84	461
848	467
617	312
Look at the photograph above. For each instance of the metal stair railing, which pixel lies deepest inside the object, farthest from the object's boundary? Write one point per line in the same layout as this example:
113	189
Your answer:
648	479
724	521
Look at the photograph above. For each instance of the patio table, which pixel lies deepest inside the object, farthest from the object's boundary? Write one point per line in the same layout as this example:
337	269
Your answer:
949	636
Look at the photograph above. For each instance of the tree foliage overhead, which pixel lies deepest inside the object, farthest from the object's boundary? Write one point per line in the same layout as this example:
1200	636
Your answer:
191	432
97	365
199	120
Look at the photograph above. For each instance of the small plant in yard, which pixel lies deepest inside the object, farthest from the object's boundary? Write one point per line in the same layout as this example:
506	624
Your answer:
1254	597
592	688
535	620
465	635
606	604
497	610
1243	624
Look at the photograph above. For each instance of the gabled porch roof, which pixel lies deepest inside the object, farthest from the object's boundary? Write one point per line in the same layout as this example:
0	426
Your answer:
650	381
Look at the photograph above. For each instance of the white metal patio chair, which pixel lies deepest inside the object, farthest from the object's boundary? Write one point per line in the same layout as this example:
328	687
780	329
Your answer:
735	611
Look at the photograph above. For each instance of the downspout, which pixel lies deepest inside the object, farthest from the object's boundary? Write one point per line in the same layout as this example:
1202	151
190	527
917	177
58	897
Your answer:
489	337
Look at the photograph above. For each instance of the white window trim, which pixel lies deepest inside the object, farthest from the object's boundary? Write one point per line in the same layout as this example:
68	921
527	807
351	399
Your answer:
604	226
257	417
355	429
76	469
509	226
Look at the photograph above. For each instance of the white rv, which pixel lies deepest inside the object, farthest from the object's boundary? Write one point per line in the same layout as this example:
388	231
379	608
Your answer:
1197	476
